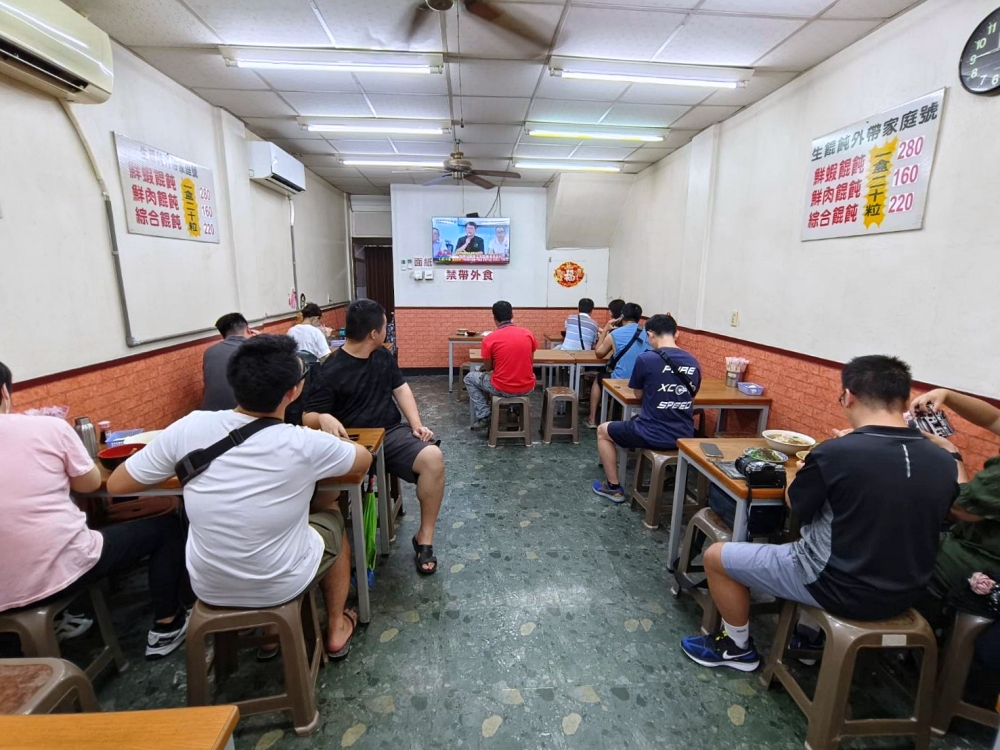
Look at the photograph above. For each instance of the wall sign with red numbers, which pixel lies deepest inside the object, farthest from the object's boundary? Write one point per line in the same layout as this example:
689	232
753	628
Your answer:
872	177
166	196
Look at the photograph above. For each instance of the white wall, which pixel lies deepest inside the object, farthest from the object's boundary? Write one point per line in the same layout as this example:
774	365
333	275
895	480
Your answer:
917	294
584	209
54	245
522	282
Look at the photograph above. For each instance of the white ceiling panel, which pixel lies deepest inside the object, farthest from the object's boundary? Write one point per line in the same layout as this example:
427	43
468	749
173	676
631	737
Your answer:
329	163
247	103
479	151
487	133
655	4
336	172
557	87
309	80
482	39
677	138
371	190
615	33
726	40
307	148
379	24
495	77
423	148
603	153
647	94
404	105
262	22
816	42
646	154
491	109
199	68
557	110
444	138
328	104
644	115
762	84
381	147
396	83
803	8
153	23
869	8
547	151
701	117
270	128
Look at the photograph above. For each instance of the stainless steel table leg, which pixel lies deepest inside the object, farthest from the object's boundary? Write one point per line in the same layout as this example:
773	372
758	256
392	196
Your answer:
451	365
384	501
360	566
677	512
605	397
762	419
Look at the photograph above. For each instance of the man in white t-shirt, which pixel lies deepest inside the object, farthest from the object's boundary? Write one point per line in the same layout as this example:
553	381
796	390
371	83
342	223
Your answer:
500	244
252	540
308	334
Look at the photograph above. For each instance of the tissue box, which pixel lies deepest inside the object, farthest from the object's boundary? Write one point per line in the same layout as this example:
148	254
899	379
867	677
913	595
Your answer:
750	389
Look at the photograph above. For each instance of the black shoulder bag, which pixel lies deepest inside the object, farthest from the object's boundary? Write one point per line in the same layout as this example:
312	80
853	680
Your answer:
195	462
676	370
613	362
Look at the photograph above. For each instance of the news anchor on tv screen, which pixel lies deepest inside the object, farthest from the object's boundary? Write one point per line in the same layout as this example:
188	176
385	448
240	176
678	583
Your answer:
469	242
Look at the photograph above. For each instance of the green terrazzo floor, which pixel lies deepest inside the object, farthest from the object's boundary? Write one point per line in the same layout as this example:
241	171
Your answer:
550	624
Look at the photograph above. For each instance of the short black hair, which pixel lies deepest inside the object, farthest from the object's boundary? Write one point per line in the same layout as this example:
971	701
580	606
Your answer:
311	310
502	311
6	377
631	311
472	223
662	325
615	307
363	317
878	381
262	370
231	323
586	305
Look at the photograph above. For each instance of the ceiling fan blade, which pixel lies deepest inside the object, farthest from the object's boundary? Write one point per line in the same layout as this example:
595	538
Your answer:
496	173
491	14
475	179
421	15
436	180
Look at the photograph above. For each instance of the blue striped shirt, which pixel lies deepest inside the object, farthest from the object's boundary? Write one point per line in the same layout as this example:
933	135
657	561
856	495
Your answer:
586	326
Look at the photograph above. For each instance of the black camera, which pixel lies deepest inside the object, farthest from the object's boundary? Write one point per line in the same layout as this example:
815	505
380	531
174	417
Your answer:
761	474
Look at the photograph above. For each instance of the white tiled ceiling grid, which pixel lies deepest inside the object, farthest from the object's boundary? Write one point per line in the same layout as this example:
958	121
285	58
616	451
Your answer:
493	81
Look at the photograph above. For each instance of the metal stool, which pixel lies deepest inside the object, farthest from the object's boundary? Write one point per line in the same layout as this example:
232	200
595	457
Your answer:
35	626
551	398
40	686
827	711
954	673
298	628
522	427
462	393
650	497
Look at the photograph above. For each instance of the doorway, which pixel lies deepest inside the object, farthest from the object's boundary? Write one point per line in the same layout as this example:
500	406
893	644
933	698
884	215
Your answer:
373	277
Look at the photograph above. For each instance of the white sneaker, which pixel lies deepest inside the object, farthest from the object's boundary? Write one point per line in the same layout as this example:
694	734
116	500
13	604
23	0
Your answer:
70	625
160	643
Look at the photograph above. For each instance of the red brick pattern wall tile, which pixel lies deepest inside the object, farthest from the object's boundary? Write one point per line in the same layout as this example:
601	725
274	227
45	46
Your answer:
149	390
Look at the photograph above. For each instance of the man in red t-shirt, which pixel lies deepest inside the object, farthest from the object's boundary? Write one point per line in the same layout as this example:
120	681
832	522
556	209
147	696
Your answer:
507	368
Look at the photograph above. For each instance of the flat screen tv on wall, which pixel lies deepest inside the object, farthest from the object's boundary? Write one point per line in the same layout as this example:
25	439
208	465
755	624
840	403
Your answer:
470	240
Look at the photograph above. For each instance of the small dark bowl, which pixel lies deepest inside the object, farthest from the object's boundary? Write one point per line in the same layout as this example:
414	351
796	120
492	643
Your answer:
112	458
472	333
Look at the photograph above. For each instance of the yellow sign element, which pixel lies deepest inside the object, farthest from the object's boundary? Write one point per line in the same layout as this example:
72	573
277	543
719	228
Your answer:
190	207
569	274
879	168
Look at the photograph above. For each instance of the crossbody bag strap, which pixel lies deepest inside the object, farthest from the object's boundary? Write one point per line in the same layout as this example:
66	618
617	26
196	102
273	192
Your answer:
613	362
579	330
195	462
677	371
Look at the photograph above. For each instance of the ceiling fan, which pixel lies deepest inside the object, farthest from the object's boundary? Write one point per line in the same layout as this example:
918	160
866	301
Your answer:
482	10
457	167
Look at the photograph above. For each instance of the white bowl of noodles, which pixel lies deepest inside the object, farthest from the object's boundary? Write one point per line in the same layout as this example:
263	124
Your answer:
787	441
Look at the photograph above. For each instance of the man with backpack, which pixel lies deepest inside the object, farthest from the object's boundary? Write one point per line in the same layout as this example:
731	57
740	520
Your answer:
669	378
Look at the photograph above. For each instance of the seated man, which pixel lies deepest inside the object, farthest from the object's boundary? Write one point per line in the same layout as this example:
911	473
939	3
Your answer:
218	393
871	504
669	378
46	548
355	387
252	540
581	330
624	342
310	335
508	367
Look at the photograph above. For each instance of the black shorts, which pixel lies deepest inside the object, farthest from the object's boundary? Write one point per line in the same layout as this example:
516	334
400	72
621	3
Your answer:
401	450
624	434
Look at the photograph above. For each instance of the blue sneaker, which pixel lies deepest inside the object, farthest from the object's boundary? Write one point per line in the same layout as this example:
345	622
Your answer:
614	494
718	650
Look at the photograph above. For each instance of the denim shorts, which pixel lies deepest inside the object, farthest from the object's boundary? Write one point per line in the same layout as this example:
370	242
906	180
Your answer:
769	568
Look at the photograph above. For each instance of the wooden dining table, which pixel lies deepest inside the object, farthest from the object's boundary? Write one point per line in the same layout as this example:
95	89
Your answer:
551	339
194	728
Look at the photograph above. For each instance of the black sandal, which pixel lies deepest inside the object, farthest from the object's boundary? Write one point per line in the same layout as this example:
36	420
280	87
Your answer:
424	555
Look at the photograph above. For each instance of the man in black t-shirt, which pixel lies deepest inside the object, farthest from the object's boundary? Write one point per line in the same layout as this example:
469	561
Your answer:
871	504
356	386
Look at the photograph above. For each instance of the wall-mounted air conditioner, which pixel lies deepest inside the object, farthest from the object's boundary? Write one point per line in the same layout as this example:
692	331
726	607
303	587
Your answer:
51	47
273	168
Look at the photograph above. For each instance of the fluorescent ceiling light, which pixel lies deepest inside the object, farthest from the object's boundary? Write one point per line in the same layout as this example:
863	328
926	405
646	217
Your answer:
309	59
658	74
391	163
545	130
384	127
567	166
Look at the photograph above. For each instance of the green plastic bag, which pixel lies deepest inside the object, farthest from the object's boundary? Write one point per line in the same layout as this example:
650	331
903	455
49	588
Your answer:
370	517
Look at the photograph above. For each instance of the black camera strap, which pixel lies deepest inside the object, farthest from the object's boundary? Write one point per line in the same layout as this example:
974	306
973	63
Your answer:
197	461
677	371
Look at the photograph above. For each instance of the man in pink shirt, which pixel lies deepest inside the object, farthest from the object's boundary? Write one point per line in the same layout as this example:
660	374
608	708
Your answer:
46	547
